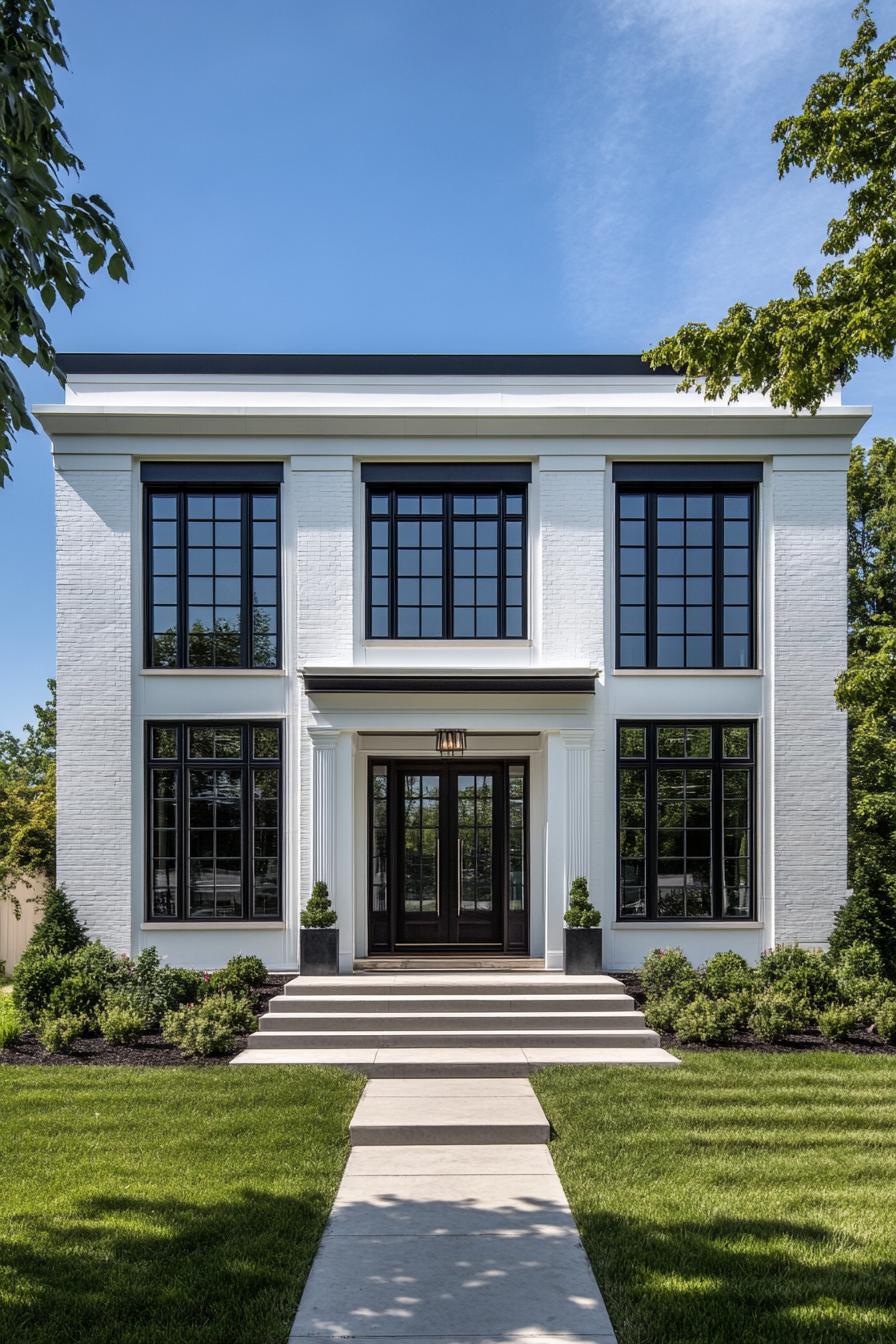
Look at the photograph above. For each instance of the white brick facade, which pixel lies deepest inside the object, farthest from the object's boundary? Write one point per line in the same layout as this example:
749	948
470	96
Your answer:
572	430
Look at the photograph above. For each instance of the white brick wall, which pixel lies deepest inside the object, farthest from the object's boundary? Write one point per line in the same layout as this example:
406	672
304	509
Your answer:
809	732
572	561
93	619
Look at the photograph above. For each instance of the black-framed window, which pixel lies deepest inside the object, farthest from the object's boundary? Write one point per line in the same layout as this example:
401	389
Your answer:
685	576
686	820
446	564
214	821
212	563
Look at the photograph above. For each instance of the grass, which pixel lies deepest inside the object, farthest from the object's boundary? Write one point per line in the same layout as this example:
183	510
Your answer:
184	1205
739	1199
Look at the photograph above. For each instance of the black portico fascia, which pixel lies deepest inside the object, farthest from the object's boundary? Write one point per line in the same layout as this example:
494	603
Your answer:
348	681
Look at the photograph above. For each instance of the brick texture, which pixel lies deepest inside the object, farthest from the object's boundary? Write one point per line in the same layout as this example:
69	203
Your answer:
93	619
809	559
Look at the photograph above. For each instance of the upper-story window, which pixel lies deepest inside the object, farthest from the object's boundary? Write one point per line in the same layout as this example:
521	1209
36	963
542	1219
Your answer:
449	562
685	575
212	571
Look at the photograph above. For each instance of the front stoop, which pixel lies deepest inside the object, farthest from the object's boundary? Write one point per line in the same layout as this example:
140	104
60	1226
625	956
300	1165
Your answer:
461	1024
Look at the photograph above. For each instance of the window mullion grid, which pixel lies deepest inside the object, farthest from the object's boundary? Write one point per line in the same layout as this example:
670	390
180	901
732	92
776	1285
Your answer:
448	564
182	578
248	822
246	578
718	567
180	794
650	818
650	565
717	833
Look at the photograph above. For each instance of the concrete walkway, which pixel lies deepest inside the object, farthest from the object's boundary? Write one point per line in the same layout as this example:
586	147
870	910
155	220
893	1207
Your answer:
451	1226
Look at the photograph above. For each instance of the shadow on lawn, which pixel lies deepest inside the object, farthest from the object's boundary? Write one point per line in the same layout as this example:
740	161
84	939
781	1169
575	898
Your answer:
139	1271
739	1281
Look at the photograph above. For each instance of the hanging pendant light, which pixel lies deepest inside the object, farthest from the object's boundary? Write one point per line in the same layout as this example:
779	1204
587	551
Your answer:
451	741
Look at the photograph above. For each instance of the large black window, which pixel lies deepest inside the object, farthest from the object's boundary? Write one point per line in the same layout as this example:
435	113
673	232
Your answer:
213	577
685	577
685	808
446	564
214	821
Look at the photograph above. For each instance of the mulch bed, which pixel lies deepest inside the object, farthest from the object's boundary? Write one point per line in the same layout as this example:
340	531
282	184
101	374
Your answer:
150	1051
863	1042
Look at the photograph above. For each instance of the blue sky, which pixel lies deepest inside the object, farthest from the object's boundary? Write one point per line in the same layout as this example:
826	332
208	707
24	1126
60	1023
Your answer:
423	175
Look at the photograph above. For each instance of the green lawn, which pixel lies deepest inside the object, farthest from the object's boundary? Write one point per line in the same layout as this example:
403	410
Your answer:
739	1199
175	1204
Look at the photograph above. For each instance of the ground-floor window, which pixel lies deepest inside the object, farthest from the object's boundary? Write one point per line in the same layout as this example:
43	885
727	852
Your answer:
685	828
214	820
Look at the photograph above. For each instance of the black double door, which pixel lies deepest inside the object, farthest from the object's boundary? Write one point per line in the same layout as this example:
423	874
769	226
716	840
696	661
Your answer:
450	855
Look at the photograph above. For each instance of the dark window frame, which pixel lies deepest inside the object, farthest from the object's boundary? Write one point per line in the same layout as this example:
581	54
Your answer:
717	489
180	764
716	764
500	488
179	491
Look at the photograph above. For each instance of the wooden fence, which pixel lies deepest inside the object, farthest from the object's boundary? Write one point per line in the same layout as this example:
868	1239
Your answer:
14	933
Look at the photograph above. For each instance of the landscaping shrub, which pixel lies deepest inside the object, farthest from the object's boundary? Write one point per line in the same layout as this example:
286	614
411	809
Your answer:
806	974
709	1021
10	1025
184	985
34	980
57	1034
837	1023
775	1016
59	930
727	973
90	974
121	1023
210	1027
885	1021
868	995
661	1014
855	966
665	969
580	914
239	976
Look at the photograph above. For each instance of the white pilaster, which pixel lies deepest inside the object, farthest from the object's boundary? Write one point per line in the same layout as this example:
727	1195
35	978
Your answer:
568	830
332	854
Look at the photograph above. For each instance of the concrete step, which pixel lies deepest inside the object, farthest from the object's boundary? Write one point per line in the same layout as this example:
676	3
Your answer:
447	1064
450	1039
549	983
449	1022
327	1004
456	1115
449	962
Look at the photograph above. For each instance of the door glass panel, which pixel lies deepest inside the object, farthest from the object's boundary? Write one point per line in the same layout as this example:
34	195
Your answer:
475	837
421	844
379	838
517	835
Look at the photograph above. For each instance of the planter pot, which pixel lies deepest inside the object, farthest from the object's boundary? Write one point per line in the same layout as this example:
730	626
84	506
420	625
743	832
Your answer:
318	952
583	951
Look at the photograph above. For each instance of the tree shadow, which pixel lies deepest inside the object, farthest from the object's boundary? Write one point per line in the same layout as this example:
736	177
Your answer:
739	1281
122	1270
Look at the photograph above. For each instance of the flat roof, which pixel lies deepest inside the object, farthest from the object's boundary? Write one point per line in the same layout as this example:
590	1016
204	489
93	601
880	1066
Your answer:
584	366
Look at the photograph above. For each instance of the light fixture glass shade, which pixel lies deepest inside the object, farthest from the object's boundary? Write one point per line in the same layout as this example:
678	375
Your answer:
451	741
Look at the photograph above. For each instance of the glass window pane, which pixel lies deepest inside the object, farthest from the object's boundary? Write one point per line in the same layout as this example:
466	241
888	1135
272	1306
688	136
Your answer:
736	741
632	506
164	742
669	651
670	506
632	651
164	506
632	741
736	650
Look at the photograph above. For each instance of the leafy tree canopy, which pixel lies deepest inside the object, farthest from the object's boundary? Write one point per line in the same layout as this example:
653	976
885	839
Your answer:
46	235
867	691
28	799
796	350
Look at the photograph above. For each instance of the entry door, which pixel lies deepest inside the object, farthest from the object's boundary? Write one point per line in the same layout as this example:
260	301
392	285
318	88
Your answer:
449	861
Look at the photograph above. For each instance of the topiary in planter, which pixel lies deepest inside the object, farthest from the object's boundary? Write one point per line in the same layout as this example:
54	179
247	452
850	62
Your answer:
318	913
582	939
319	941
581	913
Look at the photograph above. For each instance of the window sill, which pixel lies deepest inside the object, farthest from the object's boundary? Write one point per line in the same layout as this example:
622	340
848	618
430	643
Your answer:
213	672
688	672
203	926
687	924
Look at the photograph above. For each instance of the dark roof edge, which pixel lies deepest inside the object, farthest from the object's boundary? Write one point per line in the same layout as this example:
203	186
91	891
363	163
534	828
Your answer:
583	366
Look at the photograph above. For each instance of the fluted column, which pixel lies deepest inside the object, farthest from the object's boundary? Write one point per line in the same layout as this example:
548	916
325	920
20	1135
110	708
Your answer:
324	742
578	806
568	830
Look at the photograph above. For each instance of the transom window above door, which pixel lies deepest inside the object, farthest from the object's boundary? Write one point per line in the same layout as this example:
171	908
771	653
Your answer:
212	563
446	563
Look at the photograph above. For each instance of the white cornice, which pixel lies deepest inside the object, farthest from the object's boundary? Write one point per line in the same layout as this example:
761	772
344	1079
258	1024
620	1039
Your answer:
377	422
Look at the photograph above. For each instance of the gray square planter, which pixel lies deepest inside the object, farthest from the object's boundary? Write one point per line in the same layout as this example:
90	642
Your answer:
583	951
318	952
